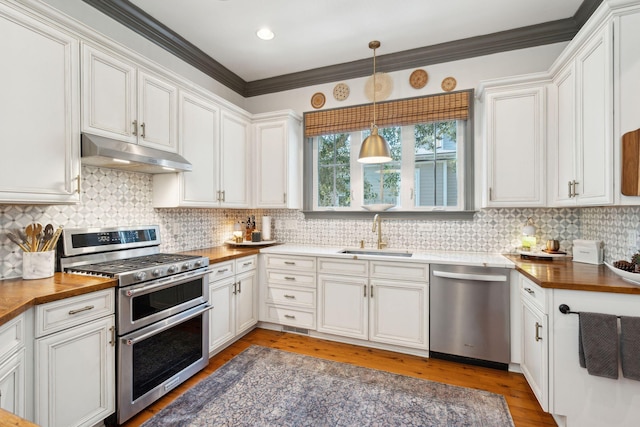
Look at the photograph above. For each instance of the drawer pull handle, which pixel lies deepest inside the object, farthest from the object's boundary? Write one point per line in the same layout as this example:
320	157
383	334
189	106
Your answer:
80	310
290	296
224	270
538	337
290	263
530	291
289	316
246	264
289	278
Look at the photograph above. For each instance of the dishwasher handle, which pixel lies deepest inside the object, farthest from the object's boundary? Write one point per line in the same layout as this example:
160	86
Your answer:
471	276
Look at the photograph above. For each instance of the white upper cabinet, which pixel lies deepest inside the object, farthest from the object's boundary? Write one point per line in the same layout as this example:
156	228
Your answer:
235	157
515	132
581	151
122	101
216	142
278	180
39	111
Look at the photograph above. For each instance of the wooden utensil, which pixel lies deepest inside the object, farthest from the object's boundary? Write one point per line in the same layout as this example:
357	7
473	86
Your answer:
32	231
54	240
631	163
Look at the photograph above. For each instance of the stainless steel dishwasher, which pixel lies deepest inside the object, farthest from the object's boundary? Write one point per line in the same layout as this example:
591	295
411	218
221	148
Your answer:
469	314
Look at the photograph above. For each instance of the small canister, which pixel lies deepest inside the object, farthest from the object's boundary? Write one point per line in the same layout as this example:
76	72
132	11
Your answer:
256	236
553	245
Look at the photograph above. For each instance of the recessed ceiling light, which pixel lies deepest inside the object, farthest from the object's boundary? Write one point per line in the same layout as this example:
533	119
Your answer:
265	34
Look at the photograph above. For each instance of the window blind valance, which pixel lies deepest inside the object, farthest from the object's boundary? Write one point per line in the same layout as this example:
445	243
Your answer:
432	108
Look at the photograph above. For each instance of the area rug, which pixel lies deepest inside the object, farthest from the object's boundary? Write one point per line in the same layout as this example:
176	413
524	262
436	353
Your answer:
267	387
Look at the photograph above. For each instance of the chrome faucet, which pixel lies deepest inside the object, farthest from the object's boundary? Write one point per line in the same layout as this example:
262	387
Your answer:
377	225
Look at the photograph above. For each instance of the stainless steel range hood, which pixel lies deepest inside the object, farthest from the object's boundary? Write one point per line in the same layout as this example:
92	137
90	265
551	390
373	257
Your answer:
114	154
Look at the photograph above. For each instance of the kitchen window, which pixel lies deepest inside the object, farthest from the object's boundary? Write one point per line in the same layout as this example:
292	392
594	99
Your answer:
431	167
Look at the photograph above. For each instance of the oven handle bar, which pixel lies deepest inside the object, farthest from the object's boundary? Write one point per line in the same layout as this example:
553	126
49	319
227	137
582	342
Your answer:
161	283
168	324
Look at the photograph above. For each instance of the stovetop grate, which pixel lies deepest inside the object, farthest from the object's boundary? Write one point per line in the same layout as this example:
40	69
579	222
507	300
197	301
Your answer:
111	268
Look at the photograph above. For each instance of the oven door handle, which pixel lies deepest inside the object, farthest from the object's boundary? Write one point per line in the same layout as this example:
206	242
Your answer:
168	324
163	283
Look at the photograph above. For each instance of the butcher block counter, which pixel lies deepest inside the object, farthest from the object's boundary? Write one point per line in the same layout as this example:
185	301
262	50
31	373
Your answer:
575	276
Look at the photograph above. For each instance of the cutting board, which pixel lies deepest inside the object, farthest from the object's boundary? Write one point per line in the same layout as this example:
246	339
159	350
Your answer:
631	163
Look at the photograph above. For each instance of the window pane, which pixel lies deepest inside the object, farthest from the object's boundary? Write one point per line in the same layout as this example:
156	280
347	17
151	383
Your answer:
334	177
381	182
436	156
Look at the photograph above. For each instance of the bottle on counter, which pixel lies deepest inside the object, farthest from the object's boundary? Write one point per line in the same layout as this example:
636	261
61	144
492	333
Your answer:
248	230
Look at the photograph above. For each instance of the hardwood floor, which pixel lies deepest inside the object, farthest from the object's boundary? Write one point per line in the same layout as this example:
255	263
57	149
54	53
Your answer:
524	407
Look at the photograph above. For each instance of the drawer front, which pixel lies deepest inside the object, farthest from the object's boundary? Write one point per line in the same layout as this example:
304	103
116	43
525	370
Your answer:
291	278
400	271
246	264
291	316
58	315
290	262
221	270
305	298
533	293
343	266
12	336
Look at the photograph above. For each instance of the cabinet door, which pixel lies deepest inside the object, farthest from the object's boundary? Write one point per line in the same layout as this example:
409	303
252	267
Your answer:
234	161
343	305
222	316
75	375
157	112
199	144
108	95
562	154
535	352
399	313
594	131
272	170
246	304
516	126
39	112
13	385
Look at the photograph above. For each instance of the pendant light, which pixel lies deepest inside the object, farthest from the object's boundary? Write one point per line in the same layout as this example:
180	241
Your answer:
374	148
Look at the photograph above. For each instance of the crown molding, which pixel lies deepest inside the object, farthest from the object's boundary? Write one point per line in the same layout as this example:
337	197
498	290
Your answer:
144	24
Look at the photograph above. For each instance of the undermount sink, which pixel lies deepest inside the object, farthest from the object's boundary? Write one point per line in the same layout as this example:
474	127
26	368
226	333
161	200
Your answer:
375	252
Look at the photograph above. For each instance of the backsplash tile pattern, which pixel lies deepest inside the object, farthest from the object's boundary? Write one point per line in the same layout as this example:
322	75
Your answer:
113	197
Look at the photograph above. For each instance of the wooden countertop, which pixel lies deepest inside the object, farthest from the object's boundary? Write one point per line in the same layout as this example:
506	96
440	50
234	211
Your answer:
18	295
576	276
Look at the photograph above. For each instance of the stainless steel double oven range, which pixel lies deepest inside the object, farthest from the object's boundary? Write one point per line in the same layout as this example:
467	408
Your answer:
162	310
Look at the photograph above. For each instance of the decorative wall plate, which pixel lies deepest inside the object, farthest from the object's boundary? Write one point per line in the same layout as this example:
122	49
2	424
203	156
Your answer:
317	100
448	84
384	86
418	79
341	91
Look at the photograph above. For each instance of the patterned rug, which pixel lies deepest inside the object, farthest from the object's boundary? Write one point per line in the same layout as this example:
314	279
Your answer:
268	387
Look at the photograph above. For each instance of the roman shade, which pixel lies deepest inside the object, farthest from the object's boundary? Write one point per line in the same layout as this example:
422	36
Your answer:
433	108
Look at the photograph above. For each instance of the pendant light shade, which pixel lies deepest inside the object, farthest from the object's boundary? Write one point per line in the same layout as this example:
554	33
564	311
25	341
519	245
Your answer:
374	148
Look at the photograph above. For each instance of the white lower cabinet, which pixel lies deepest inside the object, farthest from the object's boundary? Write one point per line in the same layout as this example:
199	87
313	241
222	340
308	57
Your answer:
15	356
232	293
535	340
75	360
379	301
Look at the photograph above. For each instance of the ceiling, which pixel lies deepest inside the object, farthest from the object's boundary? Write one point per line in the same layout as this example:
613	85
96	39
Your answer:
333	35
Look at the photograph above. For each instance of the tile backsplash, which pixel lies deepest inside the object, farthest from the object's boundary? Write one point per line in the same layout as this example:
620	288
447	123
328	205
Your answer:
113	197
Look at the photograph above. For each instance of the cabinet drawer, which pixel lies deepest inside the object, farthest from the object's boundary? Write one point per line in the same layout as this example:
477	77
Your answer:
291	278
291	296
291	316
343	266
290	262
533	293
400	271
221	270
12	336
246	264
58	315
